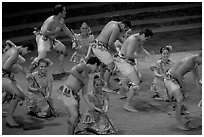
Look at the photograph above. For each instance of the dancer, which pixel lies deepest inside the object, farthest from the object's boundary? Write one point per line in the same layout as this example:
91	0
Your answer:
174	82
123	81
10	67
125	62
5	96
69	92
103	46
83	42
99	99
46	38
40	88
160	67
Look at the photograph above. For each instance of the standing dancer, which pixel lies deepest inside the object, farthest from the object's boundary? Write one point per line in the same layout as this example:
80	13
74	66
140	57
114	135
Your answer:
125	62
174	82
160	67
40	87
83	42
69	92
10	67
103	46
46	37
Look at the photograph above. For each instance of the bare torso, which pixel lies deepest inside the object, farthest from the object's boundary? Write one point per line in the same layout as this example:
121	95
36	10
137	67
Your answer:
130	46
75	83
52	24
10	58
107	31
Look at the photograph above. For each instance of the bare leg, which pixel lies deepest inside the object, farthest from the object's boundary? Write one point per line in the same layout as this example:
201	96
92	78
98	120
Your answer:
127	105
72	119
124	88
181	123
108	75
102	71
12	89
133	89
61	63
12	106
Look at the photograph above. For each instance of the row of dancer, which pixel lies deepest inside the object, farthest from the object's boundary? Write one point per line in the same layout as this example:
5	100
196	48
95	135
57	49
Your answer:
102	47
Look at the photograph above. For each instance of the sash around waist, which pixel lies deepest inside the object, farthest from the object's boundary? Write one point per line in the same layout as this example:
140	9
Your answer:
97	44
122	56
65	90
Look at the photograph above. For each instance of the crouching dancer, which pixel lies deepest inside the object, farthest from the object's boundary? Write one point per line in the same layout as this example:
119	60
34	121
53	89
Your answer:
69	92
10	67
46	38
125	62
174	82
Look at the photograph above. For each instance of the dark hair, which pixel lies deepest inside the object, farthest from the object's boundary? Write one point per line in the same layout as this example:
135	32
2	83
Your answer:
58	9
42	60
127	23
165	48
96	76
84	22
93	60
147	32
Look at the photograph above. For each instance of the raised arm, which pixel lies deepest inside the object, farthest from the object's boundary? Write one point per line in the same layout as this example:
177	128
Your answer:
66	30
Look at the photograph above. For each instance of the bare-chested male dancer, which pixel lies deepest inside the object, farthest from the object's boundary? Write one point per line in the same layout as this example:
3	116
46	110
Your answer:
103	46
46	37
174	82
69	92
125	62
10	67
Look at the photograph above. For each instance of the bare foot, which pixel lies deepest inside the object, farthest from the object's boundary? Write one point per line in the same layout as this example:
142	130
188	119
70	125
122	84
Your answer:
123	97
130	108
182	127
11	122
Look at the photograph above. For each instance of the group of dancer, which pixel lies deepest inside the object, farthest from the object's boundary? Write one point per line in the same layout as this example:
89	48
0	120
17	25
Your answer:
104	55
